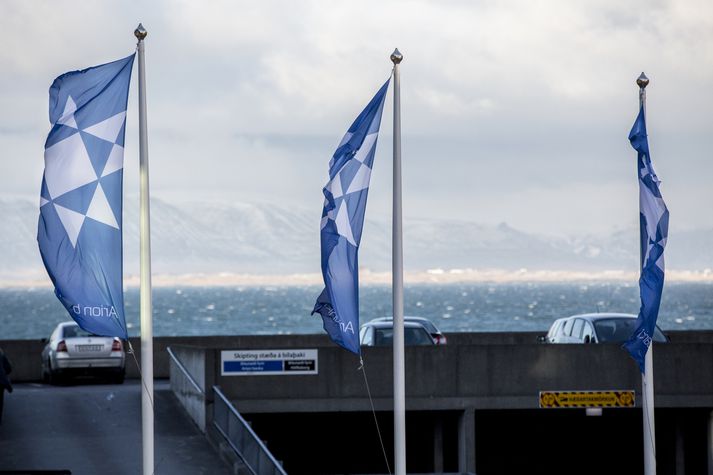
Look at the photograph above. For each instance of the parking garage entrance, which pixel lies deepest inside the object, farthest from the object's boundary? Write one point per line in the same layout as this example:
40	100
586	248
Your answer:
567	441
558	441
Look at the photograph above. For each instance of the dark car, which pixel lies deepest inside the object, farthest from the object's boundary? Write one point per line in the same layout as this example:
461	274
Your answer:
382	334
596	328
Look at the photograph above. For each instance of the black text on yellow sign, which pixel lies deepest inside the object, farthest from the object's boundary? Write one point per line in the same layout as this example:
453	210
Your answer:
549	399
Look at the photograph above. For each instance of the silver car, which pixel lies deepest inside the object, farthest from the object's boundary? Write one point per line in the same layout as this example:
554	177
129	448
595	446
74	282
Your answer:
437	335
382	334
596	328
71	351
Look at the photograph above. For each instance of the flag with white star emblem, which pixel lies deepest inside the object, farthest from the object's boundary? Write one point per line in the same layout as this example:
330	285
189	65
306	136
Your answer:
342	222
79	231
653	228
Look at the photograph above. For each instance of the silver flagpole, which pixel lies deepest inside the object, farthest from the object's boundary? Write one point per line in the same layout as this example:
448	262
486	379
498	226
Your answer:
147	416
647	378
397	270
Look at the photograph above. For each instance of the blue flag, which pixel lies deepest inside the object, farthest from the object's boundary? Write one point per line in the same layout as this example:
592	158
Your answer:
342	222
79	231
653	228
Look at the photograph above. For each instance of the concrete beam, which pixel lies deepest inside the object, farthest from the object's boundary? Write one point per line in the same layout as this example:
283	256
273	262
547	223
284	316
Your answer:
466	441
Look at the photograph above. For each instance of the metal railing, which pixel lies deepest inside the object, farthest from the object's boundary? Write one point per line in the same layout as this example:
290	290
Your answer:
184	372
188	391
238	433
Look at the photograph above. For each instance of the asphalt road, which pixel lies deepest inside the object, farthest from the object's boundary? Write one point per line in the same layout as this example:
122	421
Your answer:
92	428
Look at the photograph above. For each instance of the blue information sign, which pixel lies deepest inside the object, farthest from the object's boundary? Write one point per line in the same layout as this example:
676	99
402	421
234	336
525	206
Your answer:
268	362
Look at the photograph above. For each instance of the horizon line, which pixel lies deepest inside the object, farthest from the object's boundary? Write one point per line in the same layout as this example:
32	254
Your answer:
435	276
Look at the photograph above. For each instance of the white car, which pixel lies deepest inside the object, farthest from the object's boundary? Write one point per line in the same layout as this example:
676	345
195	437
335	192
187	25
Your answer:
596	328
71	351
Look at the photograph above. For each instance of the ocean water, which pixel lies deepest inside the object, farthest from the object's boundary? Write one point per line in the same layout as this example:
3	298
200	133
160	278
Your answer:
30	313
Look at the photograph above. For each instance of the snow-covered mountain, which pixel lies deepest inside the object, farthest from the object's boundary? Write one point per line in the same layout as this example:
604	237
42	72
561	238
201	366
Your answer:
268	239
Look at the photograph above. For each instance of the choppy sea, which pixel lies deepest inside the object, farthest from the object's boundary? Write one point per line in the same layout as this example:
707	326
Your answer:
28	313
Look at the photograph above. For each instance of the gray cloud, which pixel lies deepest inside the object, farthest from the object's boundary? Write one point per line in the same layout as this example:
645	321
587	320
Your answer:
513	111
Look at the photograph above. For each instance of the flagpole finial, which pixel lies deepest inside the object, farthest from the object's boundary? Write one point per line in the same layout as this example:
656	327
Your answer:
140	32
396	56
642	81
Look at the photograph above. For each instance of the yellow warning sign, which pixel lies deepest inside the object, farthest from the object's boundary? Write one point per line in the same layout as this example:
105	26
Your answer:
586	399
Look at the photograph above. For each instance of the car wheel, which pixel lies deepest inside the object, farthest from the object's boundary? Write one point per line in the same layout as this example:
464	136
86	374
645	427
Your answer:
119	378
53	377
45	374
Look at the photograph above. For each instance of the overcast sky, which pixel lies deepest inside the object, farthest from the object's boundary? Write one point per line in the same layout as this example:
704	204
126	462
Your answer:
513	111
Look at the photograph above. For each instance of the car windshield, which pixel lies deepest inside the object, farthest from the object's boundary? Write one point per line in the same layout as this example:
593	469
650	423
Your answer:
412	336
618	330
74	331
428	325
424	322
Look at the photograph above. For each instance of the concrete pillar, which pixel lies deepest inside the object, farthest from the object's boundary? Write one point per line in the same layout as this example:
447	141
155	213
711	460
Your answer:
437	443
710	443
466	441
680	452
210	371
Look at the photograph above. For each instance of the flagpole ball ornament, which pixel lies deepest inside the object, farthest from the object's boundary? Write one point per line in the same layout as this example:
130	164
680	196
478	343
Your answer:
642	81
396	56
140	32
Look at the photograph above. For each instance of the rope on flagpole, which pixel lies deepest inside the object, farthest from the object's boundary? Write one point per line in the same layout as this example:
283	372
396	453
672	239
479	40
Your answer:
141	374
362	367
143	383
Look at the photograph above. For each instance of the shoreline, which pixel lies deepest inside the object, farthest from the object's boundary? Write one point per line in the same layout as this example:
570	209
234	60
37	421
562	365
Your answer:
367	277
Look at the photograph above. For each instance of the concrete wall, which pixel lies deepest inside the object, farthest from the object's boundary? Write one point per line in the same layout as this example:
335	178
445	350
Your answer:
490	376
26	361
25	354
473	373
198	365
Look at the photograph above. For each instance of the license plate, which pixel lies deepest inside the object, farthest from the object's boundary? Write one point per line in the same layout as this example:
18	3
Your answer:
84	348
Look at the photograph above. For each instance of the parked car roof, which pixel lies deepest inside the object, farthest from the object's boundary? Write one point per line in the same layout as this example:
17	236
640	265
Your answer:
428	324
600	316
389	324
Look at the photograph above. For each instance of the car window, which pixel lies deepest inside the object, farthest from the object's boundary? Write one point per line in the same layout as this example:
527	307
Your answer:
412	336
587	331
383	336
606	331
659	336
554	328
577	328
429	326
417	336
567	328
366	338
424	322
620	329
72	331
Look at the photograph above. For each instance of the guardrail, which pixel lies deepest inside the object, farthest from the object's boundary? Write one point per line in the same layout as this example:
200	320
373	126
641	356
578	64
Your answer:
243	440
184	371
187	390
